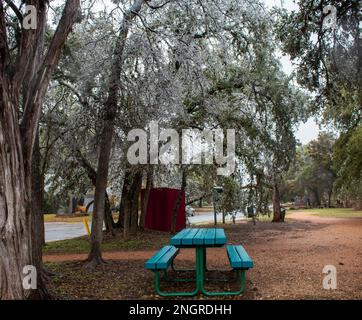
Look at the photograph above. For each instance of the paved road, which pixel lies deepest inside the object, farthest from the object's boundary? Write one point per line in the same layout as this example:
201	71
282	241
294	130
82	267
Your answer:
209	217
59	230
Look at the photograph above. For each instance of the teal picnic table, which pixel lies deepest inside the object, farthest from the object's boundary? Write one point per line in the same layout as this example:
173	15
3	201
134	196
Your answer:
200	239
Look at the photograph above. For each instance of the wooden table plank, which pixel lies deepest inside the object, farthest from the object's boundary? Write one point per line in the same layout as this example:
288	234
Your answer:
246	261
220	237
193	237
199	239
210	237
177	239
188	238
164	261
152	262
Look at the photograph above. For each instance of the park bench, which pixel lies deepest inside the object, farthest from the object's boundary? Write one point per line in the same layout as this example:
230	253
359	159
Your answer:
238	257
162	259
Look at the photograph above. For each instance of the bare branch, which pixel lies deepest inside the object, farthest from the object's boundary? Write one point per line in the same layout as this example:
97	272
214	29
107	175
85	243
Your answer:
4	48
15	10
34	101
157	7
80	97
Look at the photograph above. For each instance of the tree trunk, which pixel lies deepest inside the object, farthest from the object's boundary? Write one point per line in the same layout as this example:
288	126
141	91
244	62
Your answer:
131	190
38	193
108	218
178	202
92	175
317	199
125	187
146	197
329	198
38	235
18	241
127	204
95	256
109	114
15	207
136	189
277	215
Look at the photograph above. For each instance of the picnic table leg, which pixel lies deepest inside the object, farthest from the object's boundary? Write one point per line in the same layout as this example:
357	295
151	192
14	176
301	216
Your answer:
173	294
200	265
206	269
199	273
241	274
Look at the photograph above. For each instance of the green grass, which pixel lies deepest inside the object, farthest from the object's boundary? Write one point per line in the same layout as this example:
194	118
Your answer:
81	245
336	212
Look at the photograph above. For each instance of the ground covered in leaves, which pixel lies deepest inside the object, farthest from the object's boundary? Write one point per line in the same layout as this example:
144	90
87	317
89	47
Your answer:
288	263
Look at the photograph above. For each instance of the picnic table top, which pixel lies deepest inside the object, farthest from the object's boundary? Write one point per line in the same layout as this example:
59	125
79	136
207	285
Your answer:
199	237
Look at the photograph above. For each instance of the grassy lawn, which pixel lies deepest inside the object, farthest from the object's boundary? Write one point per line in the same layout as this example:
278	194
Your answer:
336	213
81	244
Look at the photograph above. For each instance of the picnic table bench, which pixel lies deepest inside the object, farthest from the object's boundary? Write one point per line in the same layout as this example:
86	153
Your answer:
200	239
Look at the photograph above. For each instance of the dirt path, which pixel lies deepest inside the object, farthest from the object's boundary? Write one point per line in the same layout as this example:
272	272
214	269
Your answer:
288	258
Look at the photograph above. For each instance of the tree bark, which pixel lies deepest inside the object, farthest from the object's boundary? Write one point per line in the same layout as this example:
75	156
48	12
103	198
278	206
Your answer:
126	202
317	200
329	197
130	196
38	235
17	222
109	114
38	194
108	218
136	190
15	207
178	201
92	175
128	182
146	197
277	215
125	188
95	257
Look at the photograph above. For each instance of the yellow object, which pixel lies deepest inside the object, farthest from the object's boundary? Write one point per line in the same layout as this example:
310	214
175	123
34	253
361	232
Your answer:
86	226
81	209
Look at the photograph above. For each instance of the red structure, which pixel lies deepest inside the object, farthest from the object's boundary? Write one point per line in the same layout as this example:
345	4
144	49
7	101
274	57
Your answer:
161	203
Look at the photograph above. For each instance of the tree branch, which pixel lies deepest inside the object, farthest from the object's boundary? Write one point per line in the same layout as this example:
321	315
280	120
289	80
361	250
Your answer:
15	10
157	7
32	106
80	97
27	48
4	48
